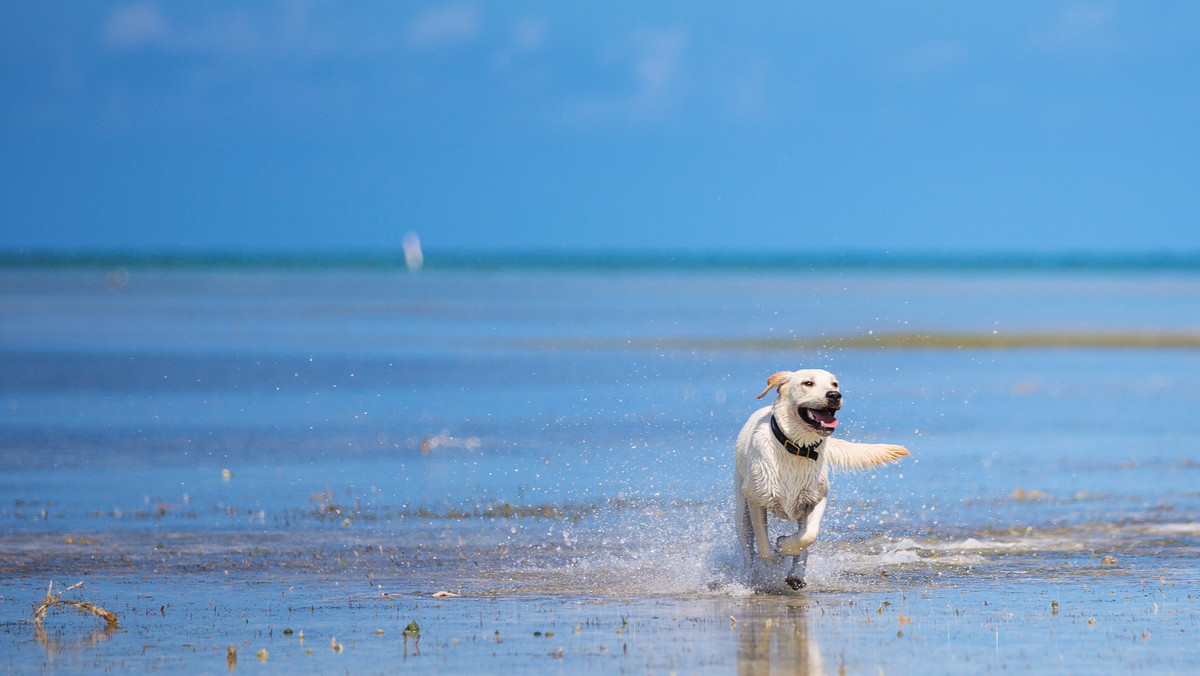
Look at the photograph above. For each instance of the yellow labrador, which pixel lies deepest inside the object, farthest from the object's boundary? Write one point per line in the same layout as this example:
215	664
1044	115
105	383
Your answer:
783	457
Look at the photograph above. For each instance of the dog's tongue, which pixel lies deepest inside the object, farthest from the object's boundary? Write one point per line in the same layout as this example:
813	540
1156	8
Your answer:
824	417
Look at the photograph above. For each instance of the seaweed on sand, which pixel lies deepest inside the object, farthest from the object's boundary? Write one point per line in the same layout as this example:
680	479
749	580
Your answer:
53	600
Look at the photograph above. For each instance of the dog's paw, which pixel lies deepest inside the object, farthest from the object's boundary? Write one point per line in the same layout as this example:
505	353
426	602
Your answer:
768	555
793	545
795	582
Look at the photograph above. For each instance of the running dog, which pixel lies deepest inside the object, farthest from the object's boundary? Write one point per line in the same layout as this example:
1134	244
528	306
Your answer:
783	456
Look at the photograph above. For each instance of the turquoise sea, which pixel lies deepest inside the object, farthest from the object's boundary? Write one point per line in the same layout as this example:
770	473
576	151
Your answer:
225	448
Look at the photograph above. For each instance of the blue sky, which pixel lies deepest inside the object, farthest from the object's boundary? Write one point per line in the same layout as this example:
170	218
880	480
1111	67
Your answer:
699	126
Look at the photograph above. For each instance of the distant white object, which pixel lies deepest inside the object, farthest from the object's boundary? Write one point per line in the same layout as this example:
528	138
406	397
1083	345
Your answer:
413	257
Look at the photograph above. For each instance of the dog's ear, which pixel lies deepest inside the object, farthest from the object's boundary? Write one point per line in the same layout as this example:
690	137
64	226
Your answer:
778	380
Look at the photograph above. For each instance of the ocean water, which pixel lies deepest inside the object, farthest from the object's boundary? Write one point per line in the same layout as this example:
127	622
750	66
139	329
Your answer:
552	443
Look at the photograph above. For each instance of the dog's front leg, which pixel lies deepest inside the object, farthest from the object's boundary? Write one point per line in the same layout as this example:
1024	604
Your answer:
809	525
796	545
795	576
758	520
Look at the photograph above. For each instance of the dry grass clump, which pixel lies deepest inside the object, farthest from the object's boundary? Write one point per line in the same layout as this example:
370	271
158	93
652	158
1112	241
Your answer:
53	600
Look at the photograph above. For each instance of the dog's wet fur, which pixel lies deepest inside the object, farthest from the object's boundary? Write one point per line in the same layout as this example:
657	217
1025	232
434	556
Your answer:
769	479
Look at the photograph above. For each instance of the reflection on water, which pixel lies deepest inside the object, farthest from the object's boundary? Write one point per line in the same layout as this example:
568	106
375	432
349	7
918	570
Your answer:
58	642
778	641
61	642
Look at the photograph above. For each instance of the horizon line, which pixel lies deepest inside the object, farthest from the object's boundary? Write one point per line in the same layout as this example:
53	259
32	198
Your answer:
608	259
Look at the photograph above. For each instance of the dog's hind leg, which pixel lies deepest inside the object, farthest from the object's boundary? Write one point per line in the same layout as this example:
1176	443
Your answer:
745	531
758	522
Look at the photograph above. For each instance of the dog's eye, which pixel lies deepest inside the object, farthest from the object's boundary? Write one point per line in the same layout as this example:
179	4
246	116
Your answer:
807	383
835	386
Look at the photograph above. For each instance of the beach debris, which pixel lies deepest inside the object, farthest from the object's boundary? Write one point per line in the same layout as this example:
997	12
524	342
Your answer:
445	595
379	632
262	655
904	619
1108	561
732	620
287	631
231	656
1091	621
116	278
443	439
414	630
53	600
1025	387
1021	495
1054	607
333	644
226	475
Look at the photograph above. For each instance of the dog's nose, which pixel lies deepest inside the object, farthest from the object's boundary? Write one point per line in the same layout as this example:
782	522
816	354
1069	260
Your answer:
833	395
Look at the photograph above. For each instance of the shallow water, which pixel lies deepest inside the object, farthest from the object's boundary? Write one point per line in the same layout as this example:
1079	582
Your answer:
221	455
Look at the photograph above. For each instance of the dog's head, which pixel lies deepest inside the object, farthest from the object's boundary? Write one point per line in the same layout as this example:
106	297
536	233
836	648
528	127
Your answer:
810	396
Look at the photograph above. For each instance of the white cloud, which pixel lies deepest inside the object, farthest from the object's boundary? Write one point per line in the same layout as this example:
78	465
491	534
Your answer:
526	38
236	37
1079	29
744	91
235	33
659	64
443	27
657	71
528	35
135	26
655	64
931	58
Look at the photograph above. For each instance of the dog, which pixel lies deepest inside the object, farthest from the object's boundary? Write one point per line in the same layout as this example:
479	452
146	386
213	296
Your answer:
782	466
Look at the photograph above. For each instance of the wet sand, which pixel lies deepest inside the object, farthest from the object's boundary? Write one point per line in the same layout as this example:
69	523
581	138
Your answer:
1090	600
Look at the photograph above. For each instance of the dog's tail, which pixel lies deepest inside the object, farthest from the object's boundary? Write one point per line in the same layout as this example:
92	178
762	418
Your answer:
859	456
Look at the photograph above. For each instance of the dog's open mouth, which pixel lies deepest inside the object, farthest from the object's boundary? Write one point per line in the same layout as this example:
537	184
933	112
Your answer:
820	419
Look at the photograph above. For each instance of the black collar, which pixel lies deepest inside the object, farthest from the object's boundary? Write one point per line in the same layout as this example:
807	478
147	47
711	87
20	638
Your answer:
791	446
